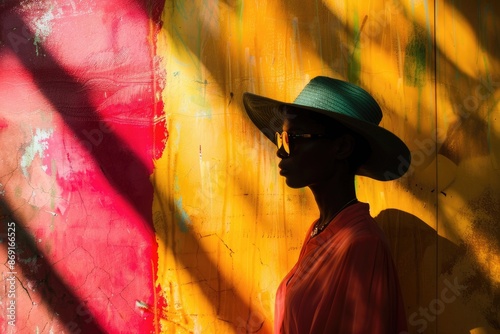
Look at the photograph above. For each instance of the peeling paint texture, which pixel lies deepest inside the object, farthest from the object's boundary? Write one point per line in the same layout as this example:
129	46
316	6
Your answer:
79	127
137	197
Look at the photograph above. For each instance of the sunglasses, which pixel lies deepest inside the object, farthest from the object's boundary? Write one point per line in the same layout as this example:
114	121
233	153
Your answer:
284	139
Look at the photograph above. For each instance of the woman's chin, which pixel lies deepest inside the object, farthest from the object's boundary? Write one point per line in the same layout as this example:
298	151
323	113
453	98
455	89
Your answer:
294	184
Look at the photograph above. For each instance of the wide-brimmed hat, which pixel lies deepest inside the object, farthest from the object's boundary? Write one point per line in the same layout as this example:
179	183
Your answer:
351	106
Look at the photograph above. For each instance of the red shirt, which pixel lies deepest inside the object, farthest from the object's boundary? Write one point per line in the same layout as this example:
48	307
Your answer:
343	282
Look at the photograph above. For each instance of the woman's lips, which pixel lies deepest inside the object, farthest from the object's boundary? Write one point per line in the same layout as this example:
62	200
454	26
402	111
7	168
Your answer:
283	171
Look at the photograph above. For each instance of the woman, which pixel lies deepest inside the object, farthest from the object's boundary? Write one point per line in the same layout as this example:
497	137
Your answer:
344	280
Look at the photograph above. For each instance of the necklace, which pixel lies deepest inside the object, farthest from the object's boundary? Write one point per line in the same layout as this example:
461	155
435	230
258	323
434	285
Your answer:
319	228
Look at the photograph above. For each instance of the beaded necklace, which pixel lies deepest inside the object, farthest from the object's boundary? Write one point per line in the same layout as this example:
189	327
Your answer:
319	228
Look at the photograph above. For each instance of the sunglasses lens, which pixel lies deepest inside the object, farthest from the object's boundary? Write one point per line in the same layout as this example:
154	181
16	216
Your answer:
282	141
286	144
278	140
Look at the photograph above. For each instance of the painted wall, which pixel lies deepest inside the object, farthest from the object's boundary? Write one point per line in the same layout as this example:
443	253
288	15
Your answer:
79	111
137	196
228	227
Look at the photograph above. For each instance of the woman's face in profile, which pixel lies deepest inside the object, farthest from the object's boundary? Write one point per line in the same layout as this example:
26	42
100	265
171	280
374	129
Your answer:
311	160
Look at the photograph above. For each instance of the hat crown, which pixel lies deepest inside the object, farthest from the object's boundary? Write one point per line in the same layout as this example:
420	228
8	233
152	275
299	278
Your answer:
340	97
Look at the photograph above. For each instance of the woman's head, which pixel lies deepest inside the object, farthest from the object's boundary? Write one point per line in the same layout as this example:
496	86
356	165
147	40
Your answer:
319	148
327	101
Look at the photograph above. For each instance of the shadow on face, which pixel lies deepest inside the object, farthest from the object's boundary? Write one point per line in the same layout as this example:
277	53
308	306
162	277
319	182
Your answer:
338	142
315	145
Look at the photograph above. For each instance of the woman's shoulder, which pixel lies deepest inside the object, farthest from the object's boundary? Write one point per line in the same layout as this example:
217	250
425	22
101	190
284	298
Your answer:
360	228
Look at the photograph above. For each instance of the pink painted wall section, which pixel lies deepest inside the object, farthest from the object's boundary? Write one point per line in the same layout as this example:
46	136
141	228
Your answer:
80	126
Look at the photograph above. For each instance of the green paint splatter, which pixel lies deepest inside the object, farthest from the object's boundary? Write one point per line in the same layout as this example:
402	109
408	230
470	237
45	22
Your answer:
181	216
239	13
37	146
354	65
416	59
415	65
43	28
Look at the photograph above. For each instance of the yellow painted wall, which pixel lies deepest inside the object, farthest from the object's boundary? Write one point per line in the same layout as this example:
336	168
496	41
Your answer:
228	227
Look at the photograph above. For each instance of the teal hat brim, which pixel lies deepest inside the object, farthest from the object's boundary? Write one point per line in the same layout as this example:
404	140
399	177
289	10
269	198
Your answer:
390	157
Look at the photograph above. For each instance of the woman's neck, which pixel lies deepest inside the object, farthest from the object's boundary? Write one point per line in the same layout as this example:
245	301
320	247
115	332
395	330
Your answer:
333	196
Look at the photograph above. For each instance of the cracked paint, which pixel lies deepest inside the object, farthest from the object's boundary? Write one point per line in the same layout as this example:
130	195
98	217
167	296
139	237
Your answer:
228	226
77	174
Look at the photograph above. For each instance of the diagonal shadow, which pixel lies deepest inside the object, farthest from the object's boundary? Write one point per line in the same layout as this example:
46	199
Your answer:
64	90
428	57
58	296
71	87
113	140
482	16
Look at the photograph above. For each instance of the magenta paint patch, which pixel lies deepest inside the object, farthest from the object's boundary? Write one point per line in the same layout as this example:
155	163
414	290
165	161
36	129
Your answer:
79	96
